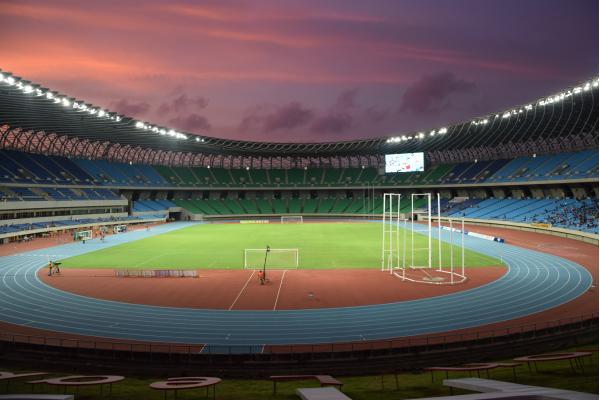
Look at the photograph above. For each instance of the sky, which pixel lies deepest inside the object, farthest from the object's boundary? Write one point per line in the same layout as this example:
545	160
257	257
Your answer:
304	70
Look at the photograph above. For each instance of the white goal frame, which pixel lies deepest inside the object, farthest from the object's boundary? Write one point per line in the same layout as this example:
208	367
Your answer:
85	235
119	228
299	219
262	251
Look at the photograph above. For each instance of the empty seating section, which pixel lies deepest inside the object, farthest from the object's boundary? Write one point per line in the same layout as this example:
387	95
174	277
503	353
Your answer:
332	176
152	205
314	176
258	177
222	176
295	176
278	176
18	167
240	176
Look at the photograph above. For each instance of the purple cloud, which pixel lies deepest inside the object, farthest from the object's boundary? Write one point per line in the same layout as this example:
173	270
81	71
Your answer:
183	103
431	93
191	122
338	122
129	108
288	117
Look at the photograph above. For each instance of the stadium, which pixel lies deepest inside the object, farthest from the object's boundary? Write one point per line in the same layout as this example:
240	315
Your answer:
132	248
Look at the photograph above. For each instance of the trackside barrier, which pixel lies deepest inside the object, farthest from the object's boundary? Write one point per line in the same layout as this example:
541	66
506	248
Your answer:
337	351
155	273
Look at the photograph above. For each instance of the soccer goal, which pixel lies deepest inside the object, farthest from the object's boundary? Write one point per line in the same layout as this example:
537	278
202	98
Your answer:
292	219
119	228
84	235
276	259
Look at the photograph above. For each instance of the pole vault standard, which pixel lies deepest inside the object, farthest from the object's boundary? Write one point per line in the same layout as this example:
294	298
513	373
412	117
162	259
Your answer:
444	274
390	225
414	213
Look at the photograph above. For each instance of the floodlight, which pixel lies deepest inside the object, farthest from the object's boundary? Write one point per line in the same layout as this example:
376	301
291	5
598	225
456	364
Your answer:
443	130
27	89
101	113
139	124
10	80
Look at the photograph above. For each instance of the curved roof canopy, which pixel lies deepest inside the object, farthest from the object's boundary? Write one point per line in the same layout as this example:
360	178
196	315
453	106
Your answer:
28	106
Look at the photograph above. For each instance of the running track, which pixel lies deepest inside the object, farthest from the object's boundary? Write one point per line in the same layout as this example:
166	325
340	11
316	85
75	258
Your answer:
534	282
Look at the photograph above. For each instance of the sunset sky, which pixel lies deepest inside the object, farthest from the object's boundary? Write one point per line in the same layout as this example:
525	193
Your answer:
282	70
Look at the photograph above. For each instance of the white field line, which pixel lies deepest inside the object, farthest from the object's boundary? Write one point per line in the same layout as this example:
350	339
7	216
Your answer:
279	290
241	291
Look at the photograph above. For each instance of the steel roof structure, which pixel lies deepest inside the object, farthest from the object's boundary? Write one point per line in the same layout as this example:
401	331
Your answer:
34	118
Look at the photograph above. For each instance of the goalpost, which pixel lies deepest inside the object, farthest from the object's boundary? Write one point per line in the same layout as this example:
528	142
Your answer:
84	235
278	259
292	219
119	228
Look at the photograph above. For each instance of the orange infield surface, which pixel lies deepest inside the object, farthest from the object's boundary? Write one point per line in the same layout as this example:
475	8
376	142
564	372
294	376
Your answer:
295	289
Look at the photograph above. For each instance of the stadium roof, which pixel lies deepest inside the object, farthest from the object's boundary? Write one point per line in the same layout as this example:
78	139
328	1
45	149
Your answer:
30	107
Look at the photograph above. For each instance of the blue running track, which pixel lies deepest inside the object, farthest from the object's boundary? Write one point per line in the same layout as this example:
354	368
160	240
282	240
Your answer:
534	282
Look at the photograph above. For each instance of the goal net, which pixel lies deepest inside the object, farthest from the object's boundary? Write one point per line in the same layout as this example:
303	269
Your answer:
84	235
276	259
119	228
287	219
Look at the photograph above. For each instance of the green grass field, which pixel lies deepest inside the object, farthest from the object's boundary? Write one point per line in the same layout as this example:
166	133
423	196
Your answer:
221	246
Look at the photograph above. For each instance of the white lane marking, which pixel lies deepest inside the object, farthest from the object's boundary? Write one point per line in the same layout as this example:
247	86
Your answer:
279	290
241	291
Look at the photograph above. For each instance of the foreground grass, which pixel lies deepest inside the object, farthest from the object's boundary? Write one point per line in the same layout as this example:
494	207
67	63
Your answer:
221	246
412	385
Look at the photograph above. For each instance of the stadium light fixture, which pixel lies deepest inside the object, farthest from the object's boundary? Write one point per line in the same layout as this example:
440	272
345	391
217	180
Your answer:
443	130
27	89
197	139
10	80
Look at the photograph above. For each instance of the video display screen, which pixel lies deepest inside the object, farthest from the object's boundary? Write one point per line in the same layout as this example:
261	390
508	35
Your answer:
407	162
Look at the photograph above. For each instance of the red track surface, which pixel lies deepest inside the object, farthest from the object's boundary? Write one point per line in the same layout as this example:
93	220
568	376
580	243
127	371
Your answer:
329	288
241	290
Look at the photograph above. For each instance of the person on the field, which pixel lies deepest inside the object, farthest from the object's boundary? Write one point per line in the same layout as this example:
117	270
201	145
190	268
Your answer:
50	265
261	277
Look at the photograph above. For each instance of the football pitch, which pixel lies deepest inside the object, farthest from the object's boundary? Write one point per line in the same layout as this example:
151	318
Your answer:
221	246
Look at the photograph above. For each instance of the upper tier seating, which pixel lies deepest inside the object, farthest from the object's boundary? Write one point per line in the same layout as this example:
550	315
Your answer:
23	168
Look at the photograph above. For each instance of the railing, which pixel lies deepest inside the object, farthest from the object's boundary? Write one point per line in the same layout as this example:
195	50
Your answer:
335	350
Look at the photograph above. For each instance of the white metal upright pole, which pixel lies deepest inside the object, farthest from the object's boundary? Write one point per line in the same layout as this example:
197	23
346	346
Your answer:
404	252
429	226
451	253
439	234
398	233
412	230
463	246
383	234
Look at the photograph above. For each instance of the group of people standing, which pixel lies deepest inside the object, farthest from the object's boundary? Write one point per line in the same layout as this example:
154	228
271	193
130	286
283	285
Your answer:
53	267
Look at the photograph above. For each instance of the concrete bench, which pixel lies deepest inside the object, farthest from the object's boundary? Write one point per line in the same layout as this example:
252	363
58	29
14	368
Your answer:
492	389
324	380
322	393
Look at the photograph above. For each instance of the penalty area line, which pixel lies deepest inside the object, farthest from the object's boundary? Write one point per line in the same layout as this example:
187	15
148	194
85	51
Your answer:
279	290
241	291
